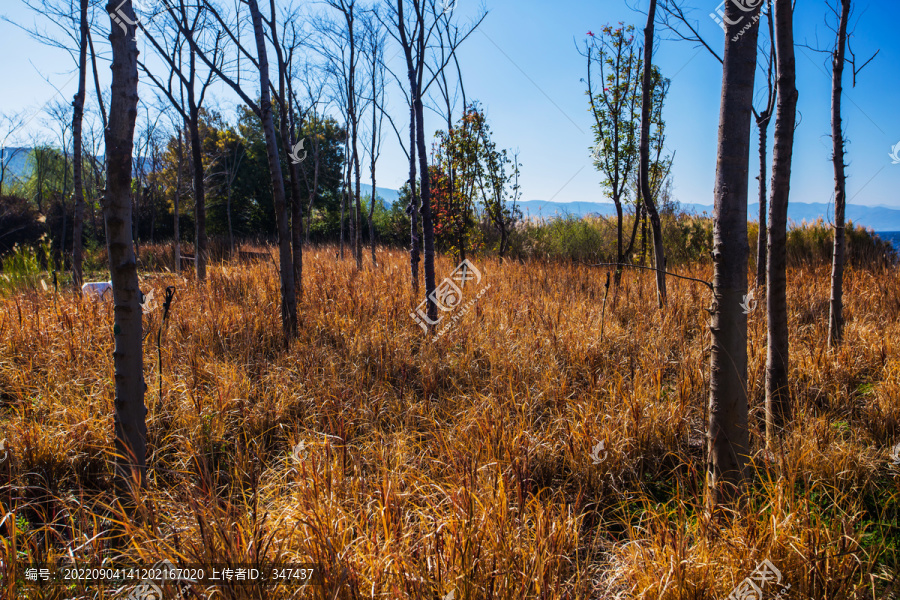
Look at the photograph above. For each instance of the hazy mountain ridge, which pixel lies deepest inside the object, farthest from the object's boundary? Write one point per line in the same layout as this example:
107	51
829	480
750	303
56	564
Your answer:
387	194
18	165
878	218
16	162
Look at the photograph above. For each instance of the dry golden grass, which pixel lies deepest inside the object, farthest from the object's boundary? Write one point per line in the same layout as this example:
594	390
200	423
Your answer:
461	465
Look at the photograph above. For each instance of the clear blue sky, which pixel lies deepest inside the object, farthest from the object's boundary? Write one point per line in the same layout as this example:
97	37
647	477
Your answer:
524	68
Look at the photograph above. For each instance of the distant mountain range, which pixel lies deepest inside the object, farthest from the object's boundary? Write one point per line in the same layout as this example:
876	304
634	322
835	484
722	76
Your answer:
17	165
878	218
388	195
16	161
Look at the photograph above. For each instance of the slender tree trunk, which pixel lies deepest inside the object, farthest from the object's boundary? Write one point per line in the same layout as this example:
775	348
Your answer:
177	206
61	265
296	223
152	213
286	123
836	316
287	135
343	209
288	293
96	77
427	221
39	170
315	188
95	172
296	228
357	243
413	208
62	237
345	183
761	238
372	221
94	226
351	215
372	172
620	253
200	241
659	259
728	436
136	208
778	407
228	215
312	195
130	424
643	237
638	212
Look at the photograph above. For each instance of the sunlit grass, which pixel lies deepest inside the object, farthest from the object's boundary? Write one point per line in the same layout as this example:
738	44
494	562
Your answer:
458	465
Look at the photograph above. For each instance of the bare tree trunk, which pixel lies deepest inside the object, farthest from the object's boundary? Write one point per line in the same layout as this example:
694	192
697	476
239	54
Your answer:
351	216
659	258
94	226
778	408
373	195
425	185
358	209
288	292
314	189
412	70
413	208
130	425
357	212
177	203
228	214
296	221
345	182
286	123
836	316
354	198
297	240
200	242
152	212
620	252
65	223
643	237
343	209
761	238
763	120
728	436
353	121
638	211
136	207
372	221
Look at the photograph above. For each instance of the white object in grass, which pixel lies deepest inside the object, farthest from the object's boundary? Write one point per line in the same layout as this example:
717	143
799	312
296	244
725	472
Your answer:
97	290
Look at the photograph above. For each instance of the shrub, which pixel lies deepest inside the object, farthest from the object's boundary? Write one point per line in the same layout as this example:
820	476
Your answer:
22	267
20	224
688	239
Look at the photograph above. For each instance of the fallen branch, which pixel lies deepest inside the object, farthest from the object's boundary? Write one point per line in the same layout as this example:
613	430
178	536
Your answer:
620	265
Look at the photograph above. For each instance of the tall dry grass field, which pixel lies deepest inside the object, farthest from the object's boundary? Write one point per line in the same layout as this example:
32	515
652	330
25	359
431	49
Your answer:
467	467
